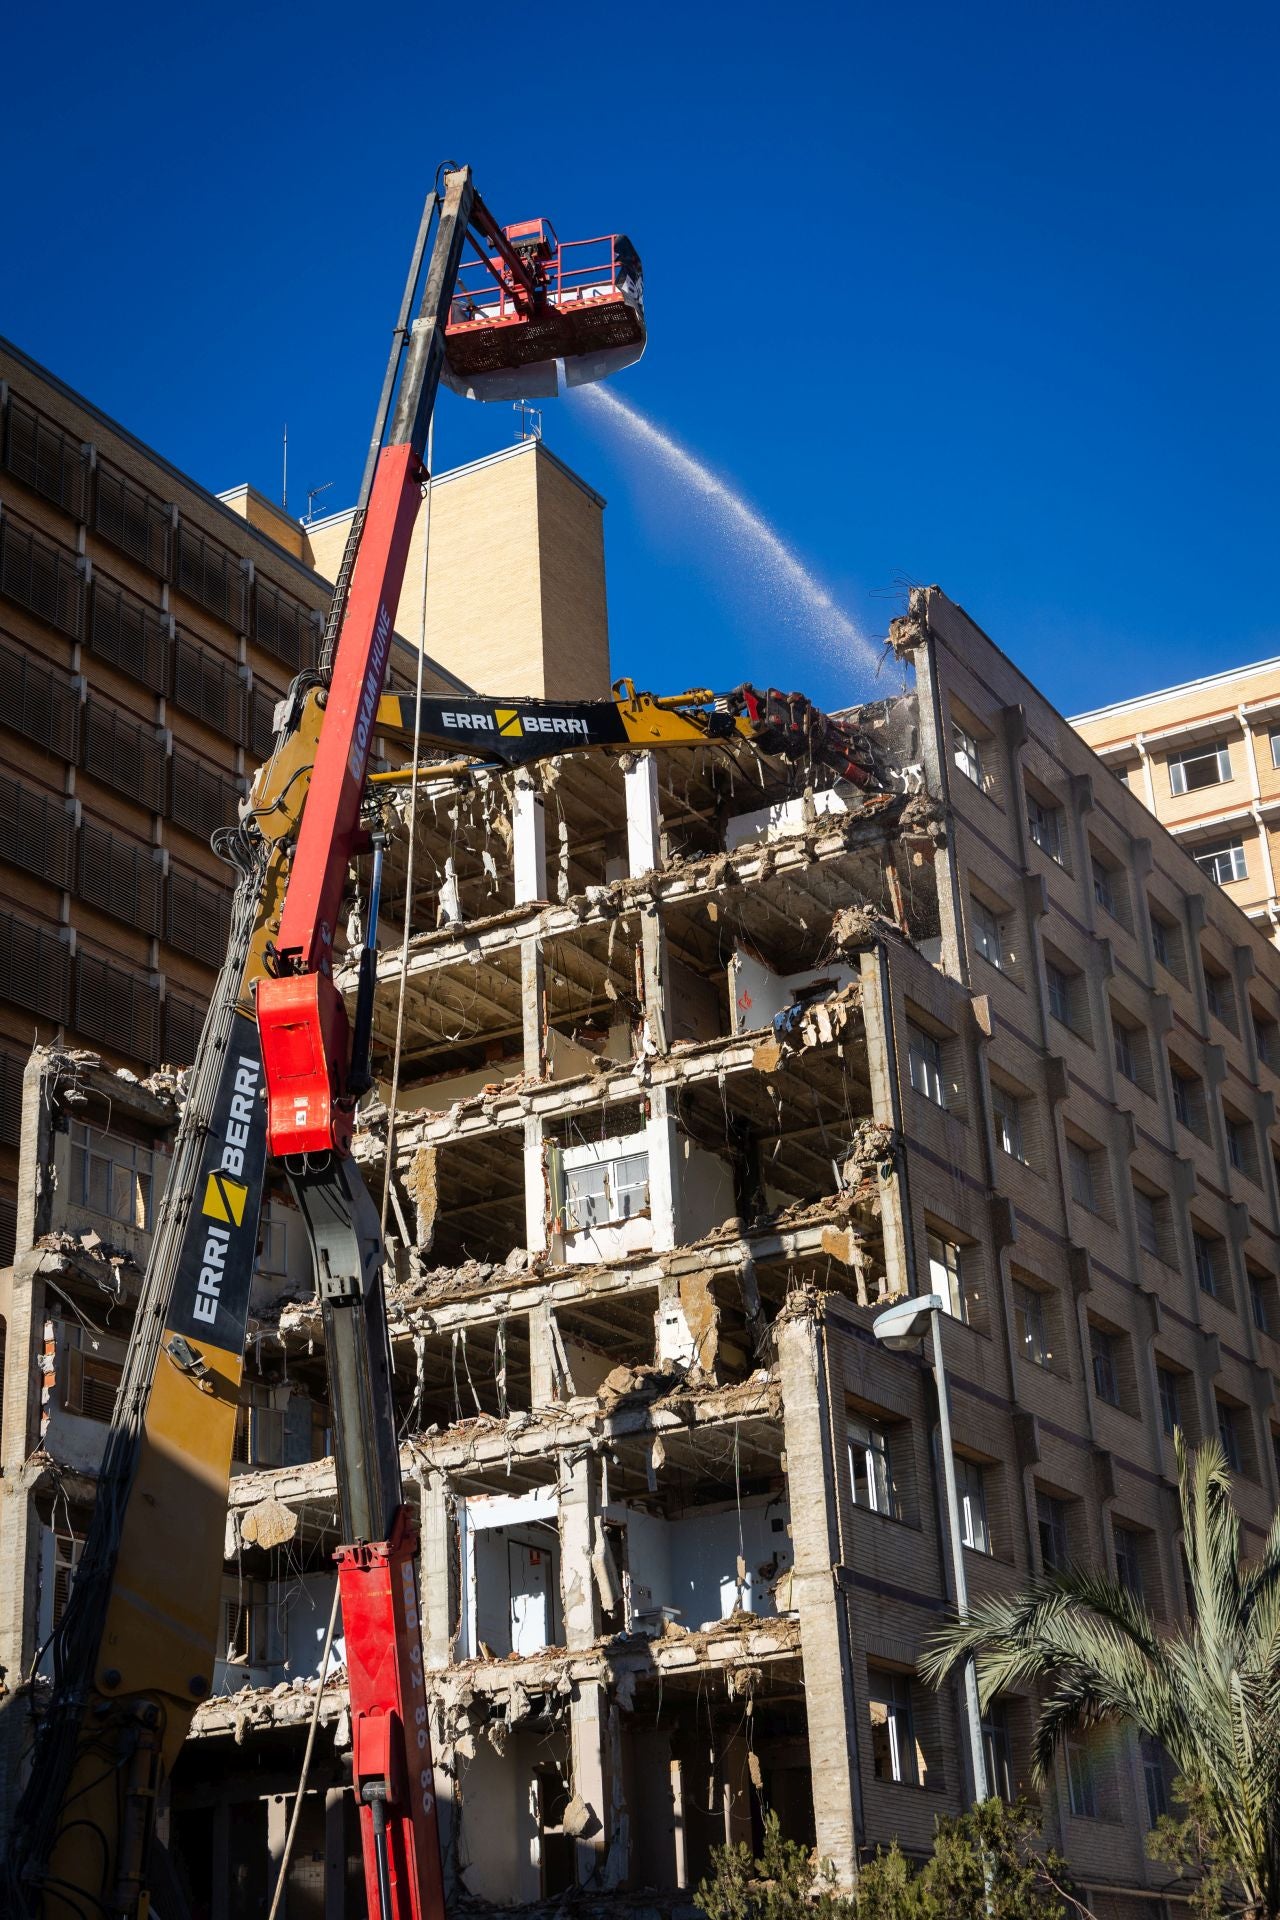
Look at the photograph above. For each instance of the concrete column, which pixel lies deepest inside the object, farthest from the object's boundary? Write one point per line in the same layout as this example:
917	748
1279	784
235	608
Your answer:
220	1849
830	1704
644	820
529	840
595	1752
335	1854
533	1009
577	1582
662	1138
543	1372
435	1560
279	1808
535	1190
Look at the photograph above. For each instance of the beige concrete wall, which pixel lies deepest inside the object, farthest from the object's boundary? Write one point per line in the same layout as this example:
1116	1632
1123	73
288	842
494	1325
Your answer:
516	591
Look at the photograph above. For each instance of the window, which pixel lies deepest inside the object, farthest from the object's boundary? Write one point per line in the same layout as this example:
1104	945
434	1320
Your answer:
1160	941
1126	1058
90	1379
1045	826
1182	1097
924	1062
972	1494
1051	1523
1028	1316
1127	1542
997	1750
1103	891
1199	767
66	1557
607	1191
1266	1037
1170	1408
111	1176
1059	984
986	933
1147	1209
1240	1145
1275	749
1006	1113
946	1275
1229	1434
1223	861
1082	1780
1259	1288
894	1753
1221	999
1102	1349
870	1475
1155	1777
244	1635
1206	1262
1080	1173
967	756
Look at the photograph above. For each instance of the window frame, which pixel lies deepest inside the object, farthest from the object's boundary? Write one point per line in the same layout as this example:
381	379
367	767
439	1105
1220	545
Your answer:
1028	1319
1006	1121
1102	1365
971	1498
987	930
926	1048
964	747
870	1437
892	1691
1169	1393
1179	785
1209	857
953	1270
1046	820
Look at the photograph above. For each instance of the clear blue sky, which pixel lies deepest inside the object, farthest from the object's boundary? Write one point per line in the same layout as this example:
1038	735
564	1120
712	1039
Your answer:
985	295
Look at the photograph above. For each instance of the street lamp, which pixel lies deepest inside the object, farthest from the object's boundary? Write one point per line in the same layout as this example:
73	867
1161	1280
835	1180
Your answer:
900	1328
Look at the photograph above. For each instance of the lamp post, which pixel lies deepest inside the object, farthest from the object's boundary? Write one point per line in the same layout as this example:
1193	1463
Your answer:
901	1327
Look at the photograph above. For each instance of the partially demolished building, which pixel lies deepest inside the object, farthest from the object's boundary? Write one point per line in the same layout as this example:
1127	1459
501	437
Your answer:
697	1061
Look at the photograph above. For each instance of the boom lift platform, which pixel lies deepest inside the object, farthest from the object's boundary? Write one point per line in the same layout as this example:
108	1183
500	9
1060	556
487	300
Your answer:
278	1072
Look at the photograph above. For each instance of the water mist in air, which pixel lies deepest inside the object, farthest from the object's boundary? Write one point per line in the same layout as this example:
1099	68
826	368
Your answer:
796	596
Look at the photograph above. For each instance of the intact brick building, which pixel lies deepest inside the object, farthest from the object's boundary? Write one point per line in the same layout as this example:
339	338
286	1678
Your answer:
1205	757
147	631
702	1065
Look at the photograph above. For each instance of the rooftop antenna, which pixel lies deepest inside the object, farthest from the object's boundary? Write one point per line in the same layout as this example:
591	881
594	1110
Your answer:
313	494
530	427
284	474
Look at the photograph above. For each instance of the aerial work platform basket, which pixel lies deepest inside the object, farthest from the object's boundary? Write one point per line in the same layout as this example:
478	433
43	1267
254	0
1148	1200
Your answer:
541	314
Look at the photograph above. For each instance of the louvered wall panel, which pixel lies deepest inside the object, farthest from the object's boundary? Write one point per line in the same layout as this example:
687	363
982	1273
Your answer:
183	1020
210	574
197	917
45	458
132	519
39	702
8	1230
37	831
121	877
206	685
11	1071
35	967
262	732
41	576
128	757
119	1008
129	633
283	625
202	799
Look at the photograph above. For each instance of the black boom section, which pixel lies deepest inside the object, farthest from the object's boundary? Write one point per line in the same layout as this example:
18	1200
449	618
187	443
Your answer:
219	1237
512	731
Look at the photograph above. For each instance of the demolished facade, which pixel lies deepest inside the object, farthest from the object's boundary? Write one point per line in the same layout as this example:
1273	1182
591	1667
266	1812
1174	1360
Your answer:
698	1059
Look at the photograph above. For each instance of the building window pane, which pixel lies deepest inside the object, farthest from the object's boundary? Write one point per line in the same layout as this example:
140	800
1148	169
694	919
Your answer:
1170	1411
1059	993
893	1743
986	934
1128	1549
1051	1521
972	1494
1148	1221
1080	1170
1182	1099
1082	1781
946	1274
1028	1313
111	1176
924	1062
1206	1274
967	756
1159	941
1102	889
1224	861
1045	824
997	1748
1102	1350
1229	1435
1006	1113
1199	767
1258	1304
1155	1778
870	1476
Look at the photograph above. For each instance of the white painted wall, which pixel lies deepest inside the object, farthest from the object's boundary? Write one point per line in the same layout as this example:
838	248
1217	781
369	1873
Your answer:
787	817
691	1562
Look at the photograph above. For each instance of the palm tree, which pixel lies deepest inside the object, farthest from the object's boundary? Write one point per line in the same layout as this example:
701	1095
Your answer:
1209	1691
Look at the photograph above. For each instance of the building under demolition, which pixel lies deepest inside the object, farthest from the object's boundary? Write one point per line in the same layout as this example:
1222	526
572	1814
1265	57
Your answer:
699	1058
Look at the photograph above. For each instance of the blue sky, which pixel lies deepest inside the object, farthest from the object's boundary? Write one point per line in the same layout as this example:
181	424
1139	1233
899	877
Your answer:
984	295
